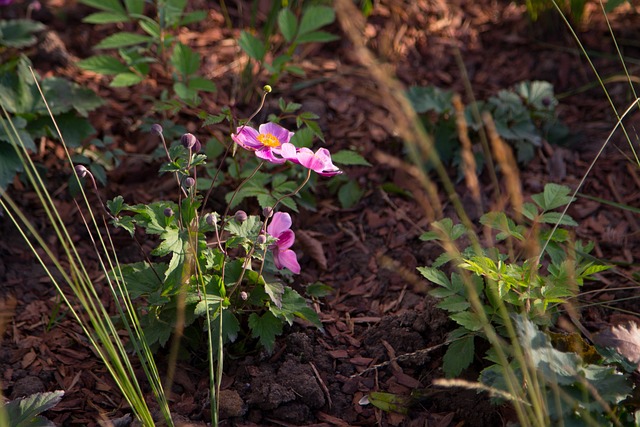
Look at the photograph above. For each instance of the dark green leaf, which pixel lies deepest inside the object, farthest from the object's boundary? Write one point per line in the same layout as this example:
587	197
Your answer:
349	157
315	17
123	39
252	46
458	357
293	305
350	194
553	197
19	33
202	84
288	24
108	5
185	60
265	328
103	64
126	79
25	412
317	37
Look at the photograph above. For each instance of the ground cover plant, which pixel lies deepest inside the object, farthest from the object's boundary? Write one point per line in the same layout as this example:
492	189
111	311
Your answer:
310	256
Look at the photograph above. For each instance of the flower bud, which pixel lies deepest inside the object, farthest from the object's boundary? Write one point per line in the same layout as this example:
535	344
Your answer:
267	88
168	212
240	216
189	182
267	212
210	219
156	129
262	239
81	171
244	295
189	141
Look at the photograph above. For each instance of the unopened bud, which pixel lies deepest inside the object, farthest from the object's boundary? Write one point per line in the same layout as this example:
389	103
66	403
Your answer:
168	212
156	128
267	212
210	219
189	182
188	140
81	171
267	88
244	295
240	216
262	239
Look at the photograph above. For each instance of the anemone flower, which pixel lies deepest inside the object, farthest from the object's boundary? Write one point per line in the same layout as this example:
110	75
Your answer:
280	228
319	162
266	141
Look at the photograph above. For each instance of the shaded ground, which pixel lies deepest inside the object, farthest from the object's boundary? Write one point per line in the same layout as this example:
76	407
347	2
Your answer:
379	310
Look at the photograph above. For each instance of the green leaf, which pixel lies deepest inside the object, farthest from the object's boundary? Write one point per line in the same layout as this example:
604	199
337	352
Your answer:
458	357
142	278
202	84
25	412
557	218
275	291
106	18
293	305
103	64
265	328
530	211
191	17
123	39
350	194
10	164
252	46
19	33
115	205
108	5
430	98
317	37
435	276
185	60
74	129
349	158
453	303
315	17
318	290
288	24
553	197
126	79
64	96
151	27
135	7
390	402
469	320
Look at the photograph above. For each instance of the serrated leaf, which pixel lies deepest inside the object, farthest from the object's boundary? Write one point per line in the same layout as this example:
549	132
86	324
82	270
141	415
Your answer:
350	194
266	328
123	39
315	17
453	303
151	27
293	305
142	278
25	412
553	197
349	158
103	64
275	291
469	320
126	79
458	357
202	84
19	33
135	7
557	218
435	276
185	60
623	338
288	24
252	46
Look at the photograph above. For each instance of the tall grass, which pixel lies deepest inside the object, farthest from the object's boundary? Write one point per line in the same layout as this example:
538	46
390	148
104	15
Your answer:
526	396
70	277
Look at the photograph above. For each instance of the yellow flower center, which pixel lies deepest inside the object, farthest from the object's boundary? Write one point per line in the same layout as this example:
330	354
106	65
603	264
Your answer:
268	140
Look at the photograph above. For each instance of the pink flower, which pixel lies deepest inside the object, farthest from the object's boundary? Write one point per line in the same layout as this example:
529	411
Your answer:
319	162
266	141
280	229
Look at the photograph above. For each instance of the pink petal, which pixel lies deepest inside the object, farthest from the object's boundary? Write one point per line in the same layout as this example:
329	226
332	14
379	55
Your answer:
276	130
267	154
288	151
280	223
247	138
286	239
288	259
309	160
329	169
